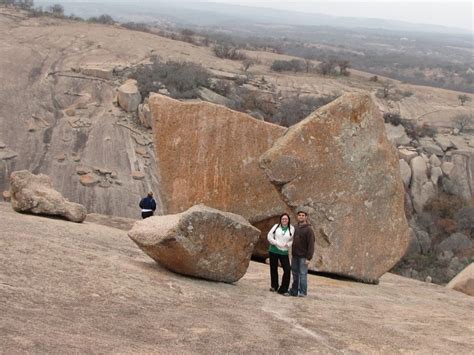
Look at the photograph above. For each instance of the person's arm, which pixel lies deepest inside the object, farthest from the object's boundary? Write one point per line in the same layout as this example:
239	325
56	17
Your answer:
153	204
271	236
290	242
310	251
141	203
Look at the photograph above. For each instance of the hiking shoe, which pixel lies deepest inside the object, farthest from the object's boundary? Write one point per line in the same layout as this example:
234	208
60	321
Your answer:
272	289
286	294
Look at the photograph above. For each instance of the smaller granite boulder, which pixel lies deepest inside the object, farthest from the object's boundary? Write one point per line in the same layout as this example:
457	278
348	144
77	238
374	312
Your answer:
201	242
464	281
6	196
34	194
128	96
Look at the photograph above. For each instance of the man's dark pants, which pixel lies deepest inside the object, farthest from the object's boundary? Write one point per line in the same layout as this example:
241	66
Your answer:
147	214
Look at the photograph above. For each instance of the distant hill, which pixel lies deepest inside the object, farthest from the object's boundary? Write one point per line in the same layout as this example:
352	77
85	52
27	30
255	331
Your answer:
214	14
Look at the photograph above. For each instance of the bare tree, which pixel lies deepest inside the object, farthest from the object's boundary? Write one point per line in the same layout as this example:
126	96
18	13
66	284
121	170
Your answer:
57	10
463	98
247	63
463	121
386	89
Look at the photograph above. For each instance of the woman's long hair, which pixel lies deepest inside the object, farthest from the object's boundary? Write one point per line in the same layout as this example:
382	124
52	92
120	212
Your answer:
279	224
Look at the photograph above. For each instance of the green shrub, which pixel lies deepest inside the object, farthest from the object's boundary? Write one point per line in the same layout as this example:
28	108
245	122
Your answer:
295	65
181	79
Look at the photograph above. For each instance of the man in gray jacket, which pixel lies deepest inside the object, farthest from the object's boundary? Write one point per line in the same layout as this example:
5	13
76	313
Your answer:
301	254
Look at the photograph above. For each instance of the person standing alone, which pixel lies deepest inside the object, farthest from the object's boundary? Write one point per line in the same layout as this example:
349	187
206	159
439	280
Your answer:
148	205
301	254
280	238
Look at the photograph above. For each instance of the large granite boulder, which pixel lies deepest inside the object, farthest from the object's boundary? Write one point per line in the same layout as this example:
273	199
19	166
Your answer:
35	194
464	281
339	165
201	242
209	154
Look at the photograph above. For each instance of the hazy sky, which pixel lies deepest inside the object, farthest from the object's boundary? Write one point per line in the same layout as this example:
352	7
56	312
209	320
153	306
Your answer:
447	13
456	13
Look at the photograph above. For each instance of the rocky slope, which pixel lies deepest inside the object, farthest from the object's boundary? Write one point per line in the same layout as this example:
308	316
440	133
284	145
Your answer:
58	117
87	288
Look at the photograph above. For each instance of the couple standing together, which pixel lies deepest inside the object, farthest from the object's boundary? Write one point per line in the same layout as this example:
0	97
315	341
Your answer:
300	238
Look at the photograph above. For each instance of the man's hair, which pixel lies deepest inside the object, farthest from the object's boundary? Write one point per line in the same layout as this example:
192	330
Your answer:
150	194
305	213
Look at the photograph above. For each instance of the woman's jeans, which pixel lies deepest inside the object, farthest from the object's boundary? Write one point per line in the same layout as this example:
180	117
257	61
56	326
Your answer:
299	269
285	264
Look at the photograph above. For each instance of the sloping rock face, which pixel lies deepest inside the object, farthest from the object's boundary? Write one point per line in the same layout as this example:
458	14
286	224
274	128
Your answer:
339	165
201	242
209	154
40	92
35	194
464	281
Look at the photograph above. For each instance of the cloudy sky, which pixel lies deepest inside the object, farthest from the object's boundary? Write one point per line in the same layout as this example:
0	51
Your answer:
456	13
447	13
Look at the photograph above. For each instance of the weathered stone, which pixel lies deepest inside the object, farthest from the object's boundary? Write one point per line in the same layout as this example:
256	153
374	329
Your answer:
361	231
456	242
83	170
424	241
98	71
429	146
425	157
461	177
435	174
434	161
407	154
137	175
88	179
140	151
209	154
464	281
413	245
35	194
70	112
6	154
471	142
421	188
405	172
144	114
201	242
60	157
444	142
6	195
128	96
447	167
2	145
211	96
397	135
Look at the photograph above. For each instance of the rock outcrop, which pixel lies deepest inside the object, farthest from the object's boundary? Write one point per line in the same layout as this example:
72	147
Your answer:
464	281
128	96
201	242
339	164
209	154
422	188
460	176
35	194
